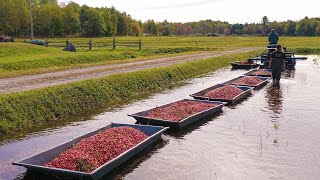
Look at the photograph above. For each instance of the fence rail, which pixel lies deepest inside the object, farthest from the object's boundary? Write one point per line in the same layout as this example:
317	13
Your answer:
90	44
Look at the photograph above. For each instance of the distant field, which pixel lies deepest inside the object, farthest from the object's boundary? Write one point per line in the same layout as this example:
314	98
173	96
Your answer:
19	58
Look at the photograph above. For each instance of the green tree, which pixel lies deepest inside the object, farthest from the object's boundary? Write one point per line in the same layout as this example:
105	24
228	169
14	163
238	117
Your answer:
265	21
5	26
19	16
48	20
114	21
71	20
123	25
92	22
76	8
301	28
106	14
166	28
205	27
42	2
291	28
151	27
95	25
317	29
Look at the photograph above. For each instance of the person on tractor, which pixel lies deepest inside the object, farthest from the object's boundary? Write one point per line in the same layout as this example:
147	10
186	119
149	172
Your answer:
273	37
277	63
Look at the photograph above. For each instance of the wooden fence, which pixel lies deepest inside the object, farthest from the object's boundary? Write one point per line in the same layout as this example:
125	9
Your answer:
90	44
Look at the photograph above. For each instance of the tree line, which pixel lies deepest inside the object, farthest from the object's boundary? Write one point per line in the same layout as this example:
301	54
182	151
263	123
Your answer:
53	20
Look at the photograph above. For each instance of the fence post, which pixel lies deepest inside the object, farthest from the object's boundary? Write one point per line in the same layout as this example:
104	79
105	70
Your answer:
90	44
114	44
140	44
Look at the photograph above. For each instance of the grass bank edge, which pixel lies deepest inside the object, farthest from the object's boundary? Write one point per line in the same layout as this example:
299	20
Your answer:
31	108
305	51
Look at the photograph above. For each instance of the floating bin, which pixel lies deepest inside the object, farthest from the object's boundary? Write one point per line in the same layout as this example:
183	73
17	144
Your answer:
256	87
200	95
36	162
239	65
141	116
254	71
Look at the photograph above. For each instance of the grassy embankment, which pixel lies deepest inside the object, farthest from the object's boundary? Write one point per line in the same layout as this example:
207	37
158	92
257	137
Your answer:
32	108
21	59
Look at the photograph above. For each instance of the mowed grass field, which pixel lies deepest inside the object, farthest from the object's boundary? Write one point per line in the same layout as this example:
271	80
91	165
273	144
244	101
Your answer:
20	58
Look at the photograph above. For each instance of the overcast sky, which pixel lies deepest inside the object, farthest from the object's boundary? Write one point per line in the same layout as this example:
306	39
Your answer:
233	11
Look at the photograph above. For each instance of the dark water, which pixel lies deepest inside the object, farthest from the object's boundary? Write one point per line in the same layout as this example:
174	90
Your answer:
274	134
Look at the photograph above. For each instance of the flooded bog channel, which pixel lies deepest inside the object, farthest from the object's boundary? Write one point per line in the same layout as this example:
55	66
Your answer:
274	134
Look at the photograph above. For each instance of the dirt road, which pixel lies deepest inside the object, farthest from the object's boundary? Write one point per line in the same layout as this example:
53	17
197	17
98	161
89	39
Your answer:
29	82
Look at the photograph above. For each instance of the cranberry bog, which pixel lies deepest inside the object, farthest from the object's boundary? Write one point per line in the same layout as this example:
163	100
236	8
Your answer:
36	162
259	72
143	118
201	95
261	82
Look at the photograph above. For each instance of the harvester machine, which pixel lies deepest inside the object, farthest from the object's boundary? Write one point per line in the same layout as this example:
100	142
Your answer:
264	57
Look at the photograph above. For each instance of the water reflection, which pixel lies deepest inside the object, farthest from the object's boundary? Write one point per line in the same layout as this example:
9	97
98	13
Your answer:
289	74
129	166
180	133
276	128
275	99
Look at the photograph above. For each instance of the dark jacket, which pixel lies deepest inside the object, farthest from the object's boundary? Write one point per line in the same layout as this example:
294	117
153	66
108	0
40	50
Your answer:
278	59
273	38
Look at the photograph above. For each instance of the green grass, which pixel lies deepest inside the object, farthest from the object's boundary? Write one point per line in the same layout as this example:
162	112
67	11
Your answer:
306	50
30	109
221	42
21	59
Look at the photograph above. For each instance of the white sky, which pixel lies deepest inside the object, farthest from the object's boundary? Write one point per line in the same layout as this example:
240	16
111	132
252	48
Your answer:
233	11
